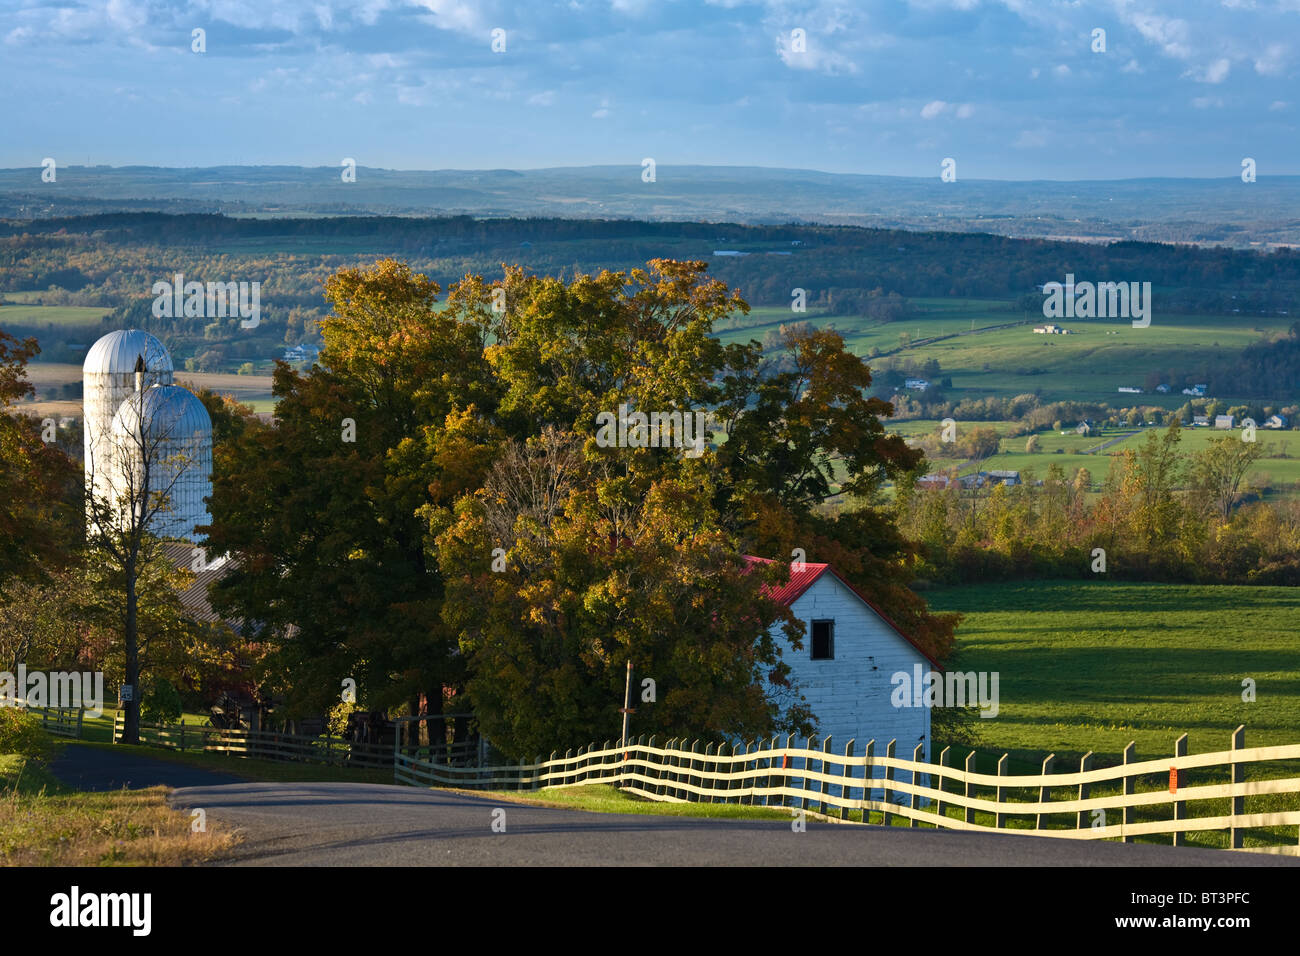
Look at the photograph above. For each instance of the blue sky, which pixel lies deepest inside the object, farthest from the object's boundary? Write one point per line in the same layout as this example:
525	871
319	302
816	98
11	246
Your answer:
1010	89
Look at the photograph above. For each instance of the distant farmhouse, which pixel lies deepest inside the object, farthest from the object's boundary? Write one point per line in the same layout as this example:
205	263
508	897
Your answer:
1200	421
1196	391
1162	389
301	353
976	480
1223	421
1275	421
919	384
1130	390
1084	428
1050	329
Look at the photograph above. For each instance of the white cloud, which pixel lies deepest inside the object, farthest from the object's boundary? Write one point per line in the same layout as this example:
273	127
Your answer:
933	108
1061	70
544	98
1272	62
1277	106
1208	102
1031	139
1168	33
1217	71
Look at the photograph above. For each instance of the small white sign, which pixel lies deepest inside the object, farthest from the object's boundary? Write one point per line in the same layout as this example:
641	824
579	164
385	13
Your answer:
127	693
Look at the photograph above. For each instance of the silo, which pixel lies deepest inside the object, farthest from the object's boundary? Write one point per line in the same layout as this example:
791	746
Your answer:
108	377
168	427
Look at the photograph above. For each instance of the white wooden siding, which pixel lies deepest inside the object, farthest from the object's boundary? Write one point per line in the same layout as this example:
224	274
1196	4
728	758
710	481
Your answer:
850	695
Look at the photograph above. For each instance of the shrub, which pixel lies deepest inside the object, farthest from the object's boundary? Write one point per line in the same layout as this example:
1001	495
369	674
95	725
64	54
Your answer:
20	733
162	703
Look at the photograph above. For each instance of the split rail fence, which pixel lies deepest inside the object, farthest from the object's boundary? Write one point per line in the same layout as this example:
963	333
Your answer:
1135	799
64	721
261	744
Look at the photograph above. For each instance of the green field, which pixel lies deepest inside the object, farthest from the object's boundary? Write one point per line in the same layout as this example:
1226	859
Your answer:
1278	469
66	315
1090	666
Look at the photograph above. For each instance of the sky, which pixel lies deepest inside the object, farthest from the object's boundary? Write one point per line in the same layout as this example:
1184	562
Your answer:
1010	89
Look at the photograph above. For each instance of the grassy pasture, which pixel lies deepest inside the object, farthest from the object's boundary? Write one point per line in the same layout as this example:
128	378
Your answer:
1091	666
64	315
1092	364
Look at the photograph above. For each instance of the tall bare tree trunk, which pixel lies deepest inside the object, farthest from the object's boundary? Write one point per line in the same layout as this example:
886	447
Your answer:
131	732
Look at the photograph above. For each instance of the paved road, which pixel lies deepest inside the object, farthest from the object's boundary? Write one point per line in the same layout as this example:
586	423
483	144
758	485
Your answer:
345	824
352	824
96	768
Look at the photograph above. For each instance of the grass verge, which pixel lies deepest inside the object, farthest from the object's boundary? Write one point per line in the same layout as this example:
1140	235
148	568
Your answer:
43	824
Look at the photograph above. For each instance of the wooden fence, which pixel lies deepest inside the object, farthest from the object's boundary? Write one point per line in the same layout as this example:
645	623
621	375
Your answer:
1135	799
64	721
261	744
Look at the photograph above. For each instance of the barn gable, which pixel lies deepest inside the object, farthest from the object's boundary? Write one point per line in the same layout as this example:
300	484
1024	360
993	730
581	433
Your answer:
844	669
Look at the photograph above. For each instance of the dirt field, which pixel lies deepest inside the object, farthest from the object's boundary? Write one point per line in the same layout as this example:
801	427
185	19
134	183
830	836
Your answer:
47	376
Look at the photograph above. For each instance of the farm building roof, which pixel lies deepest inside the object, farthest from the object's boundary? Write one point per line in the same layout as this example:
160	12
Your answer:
801	579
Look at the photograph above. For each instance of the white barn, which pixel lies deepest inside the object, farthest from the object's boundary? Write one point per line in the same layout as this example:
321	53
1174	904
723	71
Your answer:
851	650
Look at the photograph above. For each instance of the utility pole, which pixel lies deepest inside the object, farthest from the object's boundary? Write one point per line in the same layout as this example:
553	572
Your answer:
626	708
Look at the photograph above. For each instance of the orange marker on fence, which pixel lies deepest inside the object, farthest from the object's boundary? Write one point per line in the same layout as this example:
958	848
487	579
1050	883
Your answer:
1173	779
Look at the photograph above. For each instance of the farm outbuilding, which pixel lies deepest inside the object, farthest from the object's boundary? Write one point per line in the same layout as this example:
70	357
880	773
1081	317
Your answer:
845	669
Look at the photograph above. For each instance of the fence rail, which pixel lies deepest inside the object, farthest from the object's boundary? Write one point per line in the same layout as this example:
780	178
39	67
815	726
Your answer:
261	744
63	721
1098	804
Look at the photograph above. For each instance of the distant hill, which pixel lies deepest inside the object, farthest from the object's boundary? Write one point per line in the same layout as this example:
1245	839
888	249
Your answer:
1206	211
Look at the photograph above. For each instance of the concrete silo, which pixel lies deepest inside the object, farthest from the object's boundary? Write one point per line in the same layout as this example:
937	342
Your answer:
167	434
108	377
133	414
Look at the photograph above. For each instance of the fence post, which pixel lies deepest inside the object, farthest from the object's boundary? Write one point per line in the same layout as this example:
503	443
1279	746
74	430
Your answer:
889	779
1180	806
1044	792
914	803
821	784
970	787
943	782
1236	833
691	778
81	711
1130	787
1000	818
711	770
869	778
1085	764
803	802
846	788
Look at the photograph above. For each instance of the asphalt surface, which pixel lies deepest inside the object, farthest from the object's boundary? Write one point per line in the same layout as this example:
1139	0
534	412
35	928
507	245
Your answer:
352	824
96	768
345	824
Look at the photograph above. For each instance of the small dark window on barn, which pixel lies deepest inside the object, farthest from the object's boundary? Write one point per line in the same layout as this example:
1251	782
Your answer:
823	640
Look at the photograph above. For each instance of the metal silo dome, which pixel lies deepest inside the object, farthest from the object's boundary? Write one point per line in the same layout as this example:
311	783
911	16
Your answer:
116	354
169	426
108	377
170	412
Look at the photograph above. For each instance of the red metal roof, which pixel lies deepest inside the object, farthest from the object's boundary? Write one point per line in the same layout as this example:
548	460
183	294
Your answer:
801	580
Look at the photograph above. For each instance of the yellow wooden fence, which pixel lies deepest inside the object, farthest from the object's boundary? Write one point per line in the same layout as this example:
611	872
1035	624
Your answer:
1134	799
